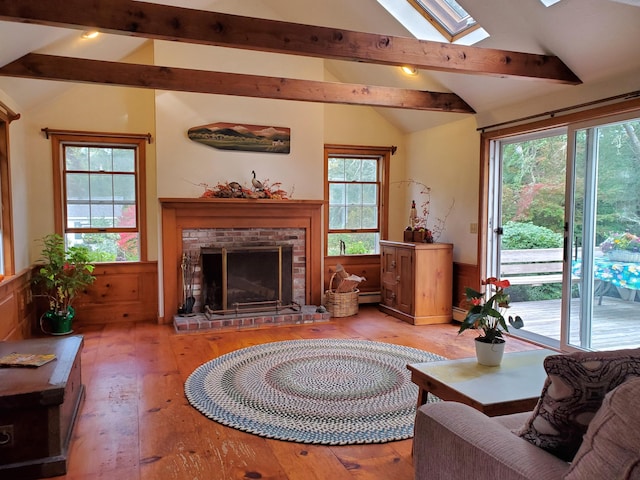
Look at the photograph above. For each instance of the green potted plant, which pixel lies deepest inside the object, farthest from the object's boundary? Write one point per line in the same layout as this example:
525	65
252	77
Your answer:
62	275
486	315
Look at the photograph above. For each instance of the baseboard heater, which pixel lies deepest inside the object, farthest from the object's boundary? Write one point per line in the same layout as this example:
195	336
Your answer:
369	297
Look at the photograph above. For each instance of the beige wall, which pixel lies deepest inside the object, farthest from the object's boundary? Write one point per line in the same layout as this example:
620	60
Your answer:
446	158
82	107
175	164
20	186
183	164
355	125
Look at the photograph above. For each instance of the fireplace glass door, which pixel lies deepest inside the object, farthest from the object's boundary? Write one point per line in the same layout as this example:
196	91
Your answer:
241	277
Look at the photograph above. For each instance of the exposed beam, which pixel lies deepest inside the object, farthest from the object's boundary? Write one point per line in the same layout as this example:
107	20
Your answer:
51	67
150	20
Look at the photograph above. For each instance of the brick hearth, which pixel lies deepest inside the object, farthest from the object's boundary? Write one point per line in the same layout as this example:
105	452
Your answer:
199	322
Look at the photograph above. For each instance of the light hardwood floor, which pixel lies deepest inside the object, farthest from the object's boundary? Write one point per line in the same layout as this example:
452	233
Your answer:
136	422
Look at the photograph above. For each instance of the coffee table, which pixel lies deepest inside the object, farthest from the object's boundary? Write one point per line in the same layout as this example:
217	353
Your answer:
512	387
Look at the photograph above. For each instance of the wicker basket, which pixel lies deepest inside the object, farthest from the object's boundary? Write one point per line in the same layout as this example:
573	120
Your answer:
341	304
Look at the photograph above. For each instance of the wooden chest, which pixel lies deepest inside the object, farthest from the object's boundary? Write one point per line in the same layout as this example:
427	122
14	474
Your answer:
38	408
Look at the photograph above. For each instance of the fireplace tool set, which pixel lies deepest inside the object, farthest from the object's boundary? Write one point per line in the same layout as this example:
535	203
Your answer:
188	267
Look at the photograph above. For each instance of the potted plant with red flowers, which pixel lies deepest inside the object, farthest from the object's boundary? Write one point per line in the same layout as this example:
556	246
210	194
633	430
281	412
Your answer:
487	315
64	273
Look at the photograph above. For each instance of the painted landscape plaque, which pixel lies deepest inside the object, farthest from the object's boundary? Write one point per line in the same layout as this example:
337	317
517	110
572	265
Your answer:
248	138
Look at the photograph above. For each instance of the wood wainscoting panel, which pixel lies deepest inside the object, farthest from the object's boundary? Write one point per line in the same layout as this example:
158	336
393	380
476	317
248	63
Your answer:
464	275
367	266
122	292
8	313
17	313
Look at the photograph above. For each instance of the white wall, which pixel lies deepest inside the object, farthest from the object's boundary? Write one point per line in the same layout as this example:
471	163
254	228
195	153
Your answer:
447	159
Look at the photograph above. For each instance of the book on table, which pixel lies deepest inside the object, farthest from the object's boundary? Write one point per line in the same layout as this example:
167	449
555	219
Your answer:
31	360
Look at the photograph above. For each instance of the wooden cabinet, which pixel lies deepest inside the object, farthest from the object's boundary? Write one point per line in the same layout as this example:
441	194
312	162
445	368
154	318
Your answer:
417	281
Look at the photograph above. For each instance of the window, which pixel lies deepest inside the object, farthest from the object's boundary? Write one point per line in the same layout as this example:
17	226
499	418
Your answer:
101	192
436	20
447	16
356	191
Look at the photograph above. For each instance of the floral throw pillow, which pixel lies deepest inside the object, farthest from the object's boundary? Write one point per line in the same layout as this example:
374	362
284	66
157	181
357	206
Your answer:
572	394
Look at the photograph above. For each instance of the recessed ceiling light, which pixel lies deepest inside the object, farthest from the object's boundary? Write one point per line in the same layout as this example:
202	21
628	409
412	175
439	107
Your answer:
90	34
409	70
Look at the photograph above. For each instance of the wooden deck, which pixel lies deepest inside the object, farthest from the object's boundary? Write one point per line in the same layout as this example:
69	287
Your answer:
615	324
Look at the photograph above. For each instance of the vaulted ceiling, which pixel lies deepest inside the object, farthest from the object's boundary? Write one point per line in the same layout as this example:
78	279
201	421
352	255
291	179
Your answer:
586	49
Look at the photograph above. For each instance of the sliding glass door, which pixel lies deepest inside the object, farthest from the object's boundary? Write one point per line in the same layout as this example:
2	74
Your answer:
605	230
529	178
564	228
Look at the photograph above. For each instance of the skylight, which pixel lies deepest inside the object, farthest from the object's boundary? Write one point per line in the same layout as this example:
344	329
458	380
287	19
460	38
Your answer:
447	16
449	22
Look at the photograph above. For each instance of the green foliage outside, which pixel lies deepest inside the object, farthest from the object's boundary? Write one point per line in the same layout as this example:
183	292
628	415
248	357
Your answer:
101	193
533	182
527	235
354	243
111	247
353	205
533	192
534	177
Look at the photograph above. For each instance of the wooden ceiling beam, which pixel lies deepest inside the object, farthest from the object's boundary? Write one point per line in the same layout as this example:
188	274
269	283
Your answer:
156	21
52	67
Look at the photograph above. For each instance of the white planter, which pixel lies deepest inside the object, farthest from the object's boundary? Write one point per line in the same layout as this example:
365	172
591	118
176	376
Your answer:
623	256
489	354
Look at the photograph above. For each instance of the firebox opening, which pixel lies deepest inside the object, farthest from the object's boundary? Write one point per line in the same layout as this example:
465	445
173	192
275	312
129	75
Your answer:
233	276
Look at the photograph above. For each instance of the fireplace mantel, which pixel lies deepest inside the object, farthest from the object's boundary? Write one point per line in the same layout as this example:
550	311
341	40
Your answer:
186	213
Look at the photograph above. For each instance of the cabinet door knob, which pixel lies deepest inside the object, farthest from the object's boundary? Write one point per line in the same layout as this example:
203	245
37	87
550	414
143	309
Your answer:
398	279
393	264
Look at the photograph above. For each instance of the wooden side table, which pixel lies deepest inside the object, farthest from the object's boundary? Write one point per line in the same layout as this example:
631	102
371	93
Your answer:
38	408
514	386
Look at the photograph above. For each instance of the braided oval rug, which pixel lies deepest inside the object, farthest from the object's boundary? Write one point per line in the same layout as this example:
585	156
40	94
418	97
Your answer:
326	391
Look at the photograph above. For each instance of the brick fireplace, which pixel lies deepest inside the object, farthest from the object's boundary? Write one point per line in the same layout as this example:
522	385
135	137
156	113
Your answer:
190	223
277	253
